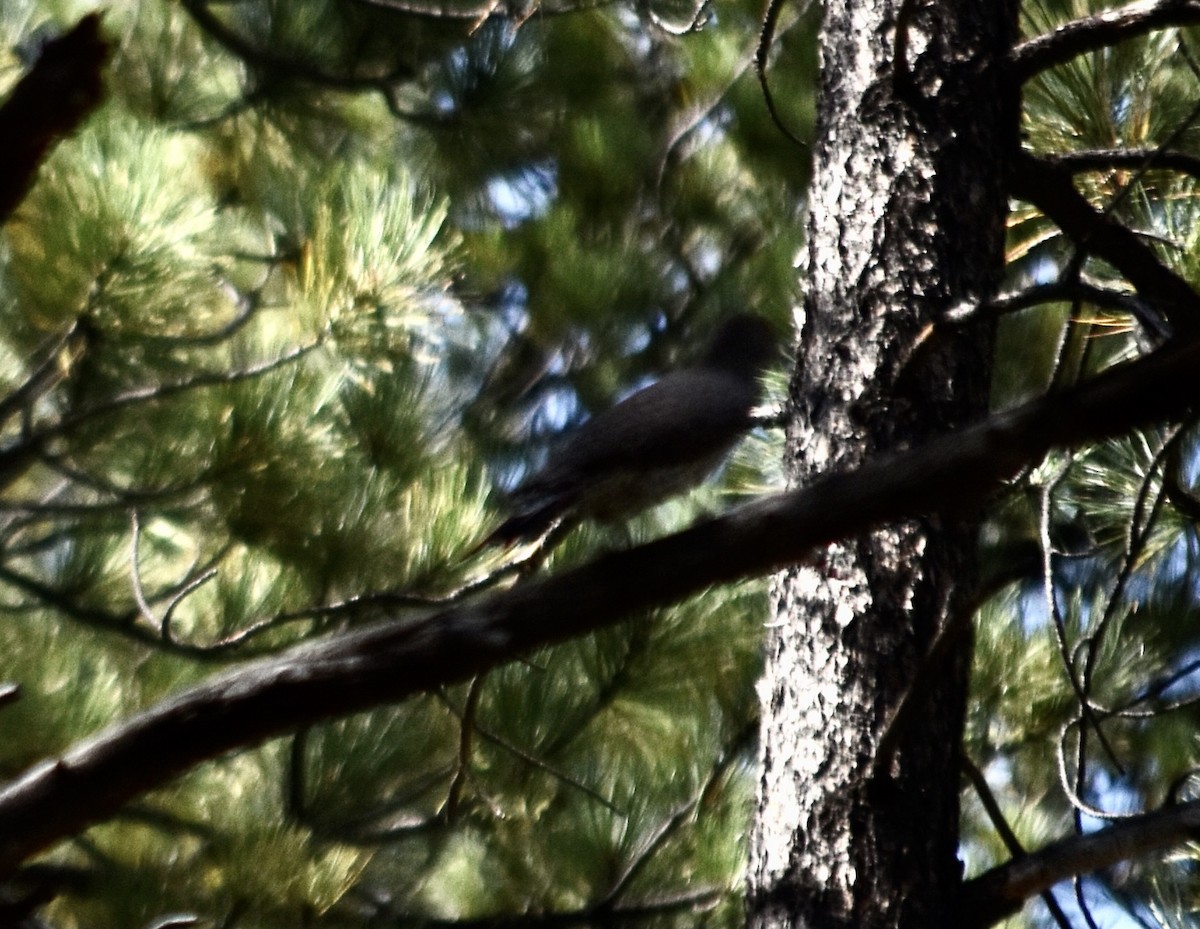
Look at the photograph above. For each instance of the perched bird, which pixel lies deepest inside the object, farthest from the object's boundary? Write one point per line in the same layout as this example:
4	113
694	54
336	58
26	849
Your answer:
656	443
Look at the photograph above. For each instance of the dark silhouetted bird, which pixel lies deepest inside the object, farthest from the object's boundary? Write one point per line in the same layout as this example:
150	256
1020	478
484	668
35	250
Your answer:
652	445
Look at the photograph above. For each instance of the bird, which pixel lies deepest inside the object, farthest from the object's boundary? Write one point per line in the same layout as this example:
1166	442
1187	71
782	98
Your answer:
654	444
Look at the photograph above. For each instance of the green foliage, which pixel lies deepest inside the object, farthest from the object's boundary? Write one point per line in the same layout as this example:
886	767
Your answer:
1120	638
318	276
310	283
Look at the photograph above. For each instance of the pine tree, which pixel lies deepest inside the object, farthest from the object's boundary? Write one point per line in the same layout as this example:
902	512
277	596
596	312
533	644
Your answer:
1086	548
287	314
860	630
314	284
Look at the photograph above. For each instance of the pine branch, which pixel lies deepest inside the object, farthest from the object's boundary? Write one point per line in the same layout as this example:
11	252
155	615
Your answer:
1074	290
371	666
381	822
48	104
691	900
64	603
692	117
296	69
762	54
283	65
1016	850
18	457
1126	159
536	762
1049	187
1098	31
665	830
479	12
452	806
1001	891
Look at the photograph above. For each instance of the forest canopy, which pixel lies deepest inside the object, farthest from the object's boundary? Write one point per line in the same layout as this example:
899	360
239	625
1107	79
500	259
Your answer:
295	295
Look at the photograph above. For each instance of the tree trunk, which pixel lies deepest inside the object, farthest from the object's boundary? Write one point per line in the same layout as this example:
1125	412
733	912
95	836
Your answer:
857	821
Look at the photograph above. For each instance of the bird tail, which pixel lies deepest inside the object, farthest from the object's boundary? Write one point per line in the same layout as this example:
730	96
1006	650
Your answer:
526	525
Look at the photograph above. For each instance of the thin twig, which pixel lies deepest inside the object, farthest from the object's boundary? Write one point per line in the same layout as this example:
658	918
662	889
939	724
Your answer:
44	376
1075	290
488	736
466	733
33	444
762	53
135	572
1068	782
1015	849
1107	159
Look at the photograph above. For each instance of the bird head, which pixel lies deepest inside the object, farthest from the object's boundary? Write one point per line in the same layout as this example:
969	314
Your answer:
744	345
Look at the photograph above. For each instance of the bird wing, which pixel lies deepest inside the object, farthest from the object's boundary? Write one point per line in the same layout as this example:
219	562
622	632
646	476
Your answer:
686	416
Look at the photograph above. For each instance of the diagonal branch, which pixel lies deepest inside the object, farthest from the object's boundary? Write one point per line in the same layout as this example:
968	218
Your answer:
1074	290
1127	159
991	806
1001	891
479	12
61	89
20	456
762	55
284	65
1049	187
1098	31
294	68
692	900
370	666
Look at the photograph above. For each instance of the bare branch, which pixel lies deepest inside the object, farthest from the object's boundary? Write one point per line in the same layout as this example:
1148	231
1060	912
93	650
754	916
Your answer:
50	102
56	357
1097	31
1155	689
294	68
387	662
762	54
534	761
1126	159
477	13
685	122
135	571
1001	891
9	693
1072	785
1049	187
1016	850
1074	290
466	749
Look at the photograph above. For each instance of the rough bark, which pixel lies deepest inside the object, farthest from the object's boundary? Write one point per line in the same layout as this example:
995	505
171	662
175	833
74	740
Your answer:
916	126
